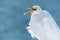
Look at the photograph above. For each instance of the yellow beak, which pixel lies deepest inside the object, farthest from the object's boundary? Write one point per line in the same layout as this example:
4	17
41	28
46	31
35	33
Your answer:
30	10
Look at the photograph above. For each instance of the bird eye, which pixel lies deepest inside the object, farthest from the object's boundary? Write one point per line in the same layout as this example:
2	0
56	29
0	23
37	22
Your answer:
34	8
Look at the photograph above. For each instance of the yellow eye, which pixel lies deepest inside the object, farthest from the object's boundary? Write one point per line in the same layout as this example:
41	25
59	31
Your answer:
34	9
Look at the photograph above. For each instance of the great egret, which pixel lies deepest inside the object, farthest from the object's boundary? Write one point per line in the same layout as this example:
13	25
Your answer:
42	25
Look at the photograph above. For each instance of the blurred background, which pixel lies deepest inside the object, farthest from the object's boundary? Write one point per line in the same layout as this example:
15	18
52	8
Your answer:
13	22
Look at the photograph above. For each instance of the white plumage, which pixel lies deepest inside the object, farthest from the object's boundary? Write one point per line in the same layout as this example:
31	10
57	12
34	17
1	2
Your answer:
43	26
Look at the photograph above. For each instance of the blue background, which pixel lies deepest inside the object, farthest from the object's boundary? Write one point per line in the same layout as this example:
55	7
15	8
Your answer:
13	21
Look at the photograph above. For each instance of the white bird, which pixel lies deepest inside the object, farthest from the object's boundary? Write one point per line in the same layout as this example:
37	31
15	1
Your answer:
42	25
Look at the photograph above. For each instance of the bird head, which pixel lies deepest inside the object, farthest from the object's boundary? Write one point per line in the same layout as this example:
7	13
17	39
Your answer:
33	9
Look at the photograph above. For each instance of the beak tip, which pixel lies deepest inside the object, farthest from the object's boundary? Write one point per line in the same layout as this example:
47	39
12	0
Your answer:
24	13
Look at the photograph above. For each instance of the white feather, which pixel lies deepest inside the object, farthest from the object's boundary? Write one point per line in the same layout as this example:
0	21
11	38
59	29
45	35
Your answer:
43	26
